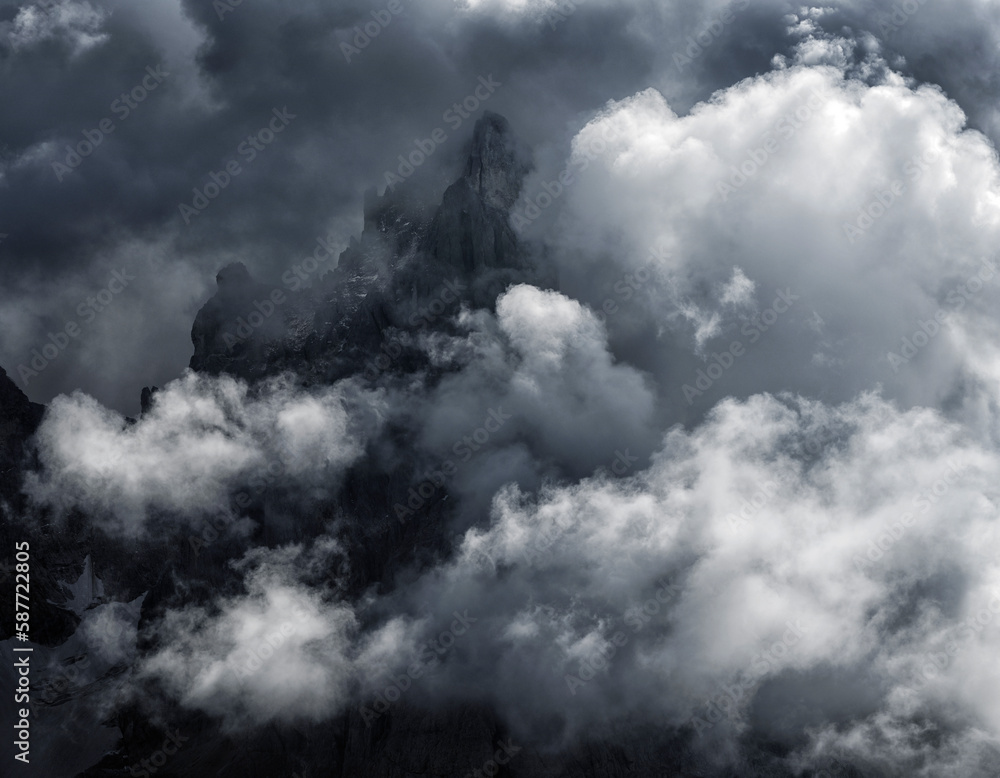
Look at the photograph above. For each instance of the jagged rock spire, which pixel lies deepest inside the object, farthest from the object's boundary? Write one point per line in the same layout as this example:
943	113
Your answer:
497	162
471	231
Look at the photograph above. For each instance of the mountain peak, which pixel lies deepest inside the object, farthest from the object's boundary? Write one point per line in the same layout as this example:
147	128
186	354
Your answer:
497	162
233	277
471	230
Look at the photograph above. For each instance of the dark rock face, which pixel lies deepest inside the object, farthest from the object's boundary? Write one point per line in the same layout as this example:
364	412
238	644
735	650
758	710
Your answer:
403	260
468	234
224	336
146	398
471	231
19	417
497	163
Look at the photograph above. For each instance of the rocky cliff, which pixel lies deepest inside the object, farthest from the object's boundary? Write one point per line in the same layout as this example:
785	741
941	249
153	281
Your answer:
328	319
18	420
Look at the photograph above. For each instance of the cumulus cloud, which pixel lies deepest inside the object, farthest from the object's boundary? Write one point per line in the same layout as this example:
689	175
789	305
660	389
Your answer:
78	25
110	631
545	360
870	205
530	392
202	438
735	476
782	544
278	652
286	649
809	574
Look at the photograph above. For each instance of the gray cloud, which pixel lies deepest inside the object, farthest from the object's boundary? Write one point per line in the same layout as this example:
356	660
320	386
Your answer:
210	434
733	475
781	544
123	199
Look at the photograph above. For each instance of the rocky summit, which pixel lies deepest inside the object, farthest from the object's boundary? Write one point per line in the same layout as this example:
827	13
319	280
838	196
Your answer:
407	271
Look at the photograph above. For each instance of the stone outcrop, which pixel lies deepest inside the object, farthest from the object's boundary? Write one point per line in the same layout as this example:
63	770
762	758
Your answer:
19	417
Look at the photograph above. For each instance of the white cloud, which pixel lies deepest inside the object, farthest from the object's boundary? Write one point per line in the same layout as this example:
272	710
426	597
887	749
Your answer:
279	652
767	176
203	438
559	398
78	24
858	551
830	558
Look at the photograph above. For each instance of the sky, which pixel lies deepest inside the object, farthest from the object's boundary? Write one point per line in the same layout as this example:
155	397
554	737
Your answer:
742	458
221	71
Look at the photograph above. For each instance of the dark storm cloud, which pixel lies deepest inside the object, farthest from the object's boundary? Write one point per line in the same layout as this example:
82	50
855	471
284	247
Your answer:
358	102
66	64
782	545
